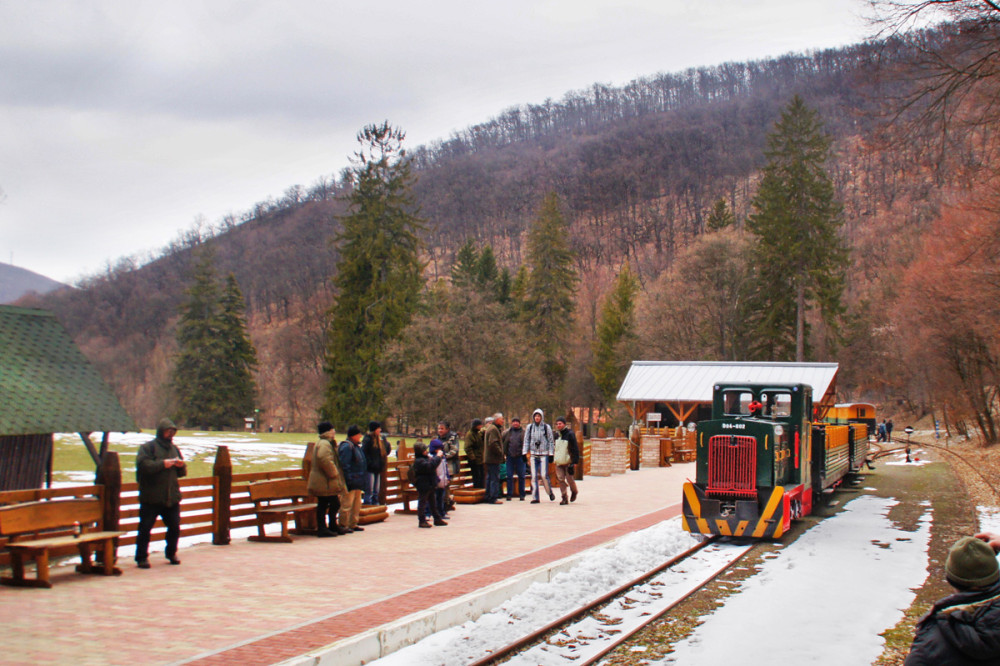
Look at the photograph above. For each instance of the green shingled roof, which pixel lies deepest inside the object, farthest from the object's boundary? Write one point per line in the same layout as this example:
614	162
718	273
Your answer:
46	383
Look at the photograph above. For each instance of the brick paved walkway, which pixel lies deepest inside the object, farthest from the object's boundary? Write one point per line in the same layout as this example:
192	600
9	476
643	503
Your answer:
259	603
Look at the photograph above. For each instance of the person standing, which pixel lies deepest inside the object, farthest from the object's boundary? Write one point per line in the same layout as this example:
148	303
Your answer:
963	628
513	444
539	442
567	454
326	482
352	462
158	465
375	448
492	456
425	479
881	431
451	449
474	453
436	449
888	431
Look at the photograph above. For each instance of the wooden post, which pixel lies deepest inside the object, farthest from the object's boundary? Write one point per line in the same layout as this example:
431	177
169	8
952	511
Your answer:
384	474
109	476
403	453
222	488
306	522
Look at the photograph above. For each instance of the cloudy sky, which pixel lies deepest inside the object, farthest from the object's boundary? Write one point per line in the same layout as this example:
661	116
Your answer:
123	122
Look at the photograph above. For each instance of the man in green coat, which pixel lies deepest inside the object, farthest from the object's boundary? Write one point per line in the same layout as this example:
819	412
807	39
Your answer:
158	465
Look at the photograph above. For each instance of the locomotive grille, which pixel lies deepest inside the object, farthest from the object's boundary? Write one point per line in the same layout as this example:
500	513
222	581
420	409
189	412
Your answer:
732	466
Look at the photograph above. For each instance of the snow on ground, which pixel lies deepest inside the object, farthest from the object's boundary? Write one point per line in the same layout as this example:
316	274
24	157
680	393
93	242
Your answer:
989	519
917	458
602	570
199	443
822	600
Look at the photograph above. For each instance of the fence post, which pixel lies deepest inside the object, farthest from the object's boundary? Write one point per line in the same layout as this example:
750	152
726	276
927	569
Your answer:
109	475
222	487
307	521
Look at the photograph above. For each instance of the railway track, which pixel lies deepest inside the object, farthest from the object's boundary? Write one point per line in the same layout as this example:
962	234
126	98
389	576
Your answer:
589	632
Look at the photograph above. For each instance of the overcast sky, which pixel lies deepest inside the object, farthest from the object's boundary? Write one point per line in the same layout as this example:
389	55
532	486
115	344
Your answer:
123	122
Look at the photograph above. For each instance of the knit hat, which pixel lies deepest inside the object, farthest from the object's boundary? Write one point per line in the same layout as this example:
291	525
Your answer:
436	445
971	563
352	431
325	426
373	426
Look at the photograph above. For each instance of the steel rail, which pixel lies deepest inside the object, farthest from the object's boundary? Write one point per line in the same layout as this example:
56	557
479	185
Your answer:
532	638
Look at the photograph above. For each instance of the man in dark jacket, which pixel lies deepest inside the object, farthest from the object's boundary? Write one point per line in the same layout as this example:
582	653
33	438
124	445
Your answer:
474	453
425	481
964	628
492	457
352	463
566	460
451	448
158	465
513	442
375	448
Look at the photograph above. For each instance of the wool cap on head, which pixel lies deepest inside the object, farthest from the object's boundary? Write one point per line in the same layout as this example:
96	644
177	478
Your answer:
325	426
165	424
972	563
436	445
352	431
373	426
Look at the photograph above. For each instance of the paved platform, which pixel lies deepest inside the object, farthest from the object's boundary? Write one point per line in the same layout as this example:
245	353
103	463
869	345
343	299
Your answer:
263	603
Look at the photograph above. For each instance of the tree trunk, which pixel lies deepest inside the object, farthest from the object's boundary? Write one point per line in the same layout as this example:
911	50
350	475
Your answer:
800	325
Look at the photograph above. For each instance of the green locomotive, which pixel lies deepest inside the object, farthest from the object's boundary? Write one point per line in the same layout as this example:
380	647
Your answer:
761	461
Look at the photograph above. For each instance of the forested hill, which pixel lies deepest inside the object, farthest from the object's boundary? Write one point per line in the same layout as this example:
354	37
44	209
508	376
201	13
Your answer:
637	169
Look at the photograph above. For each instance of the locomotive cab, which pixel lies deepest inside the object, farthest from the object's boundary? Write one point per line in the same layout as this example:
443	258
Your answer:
753	462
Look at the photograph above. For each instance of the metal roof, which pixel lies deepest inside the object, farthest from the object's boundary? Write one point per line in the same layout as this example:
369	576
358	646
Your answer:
46	383
692	381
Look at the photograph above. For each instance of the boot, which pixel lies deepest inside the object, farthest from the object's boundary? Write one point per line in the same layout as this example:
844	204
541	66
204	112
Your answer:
323	533
439	521
565	500
572	497
423	523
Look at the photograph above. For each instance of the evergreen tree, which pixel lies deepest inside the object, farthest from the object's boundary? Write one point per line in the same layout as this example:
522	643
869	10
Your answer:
378	277
798	254
240	359
213	373
720	216
466	267
612	352
549	291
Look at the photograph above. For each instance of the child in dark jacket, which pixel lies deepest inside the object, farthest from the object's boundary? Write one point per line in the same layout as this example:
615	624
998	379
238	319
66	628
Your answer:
425	472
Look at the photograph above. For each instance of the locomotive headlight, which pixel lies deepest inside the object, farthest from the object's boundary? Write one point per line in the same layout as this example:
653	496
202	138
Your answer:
778	431
691	426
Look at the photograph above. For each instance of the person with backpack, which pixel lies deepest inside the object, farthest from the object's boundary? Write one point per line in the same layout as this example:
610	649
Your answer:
423	475
539	442
567	455
355	468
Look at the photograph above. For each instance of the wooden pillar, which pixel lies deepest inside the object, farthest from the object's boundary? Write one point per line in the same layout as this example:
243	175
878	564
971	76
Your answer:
384	474
109	477
403	452
306	521
222	487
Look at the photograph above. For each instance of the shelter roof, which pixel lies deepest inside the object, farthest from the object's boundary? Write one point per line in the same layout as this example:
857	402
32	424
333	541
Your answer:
692	381
46	383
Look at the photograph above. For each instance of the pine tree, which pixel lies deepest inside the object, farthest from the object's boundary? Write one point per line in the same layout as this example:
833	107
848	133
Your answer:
720	216
798	253
466	267
614	332
378	277
240	359
213	374
549	290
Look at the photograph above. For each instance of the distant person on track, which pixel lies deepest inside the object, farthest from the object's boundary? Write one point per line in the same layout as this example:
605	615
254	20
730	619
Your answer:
888	430
539	442
963	628
492	457
375	448
158	465
567	456
425	480
881	431
352	463
326	482
474	453
513	447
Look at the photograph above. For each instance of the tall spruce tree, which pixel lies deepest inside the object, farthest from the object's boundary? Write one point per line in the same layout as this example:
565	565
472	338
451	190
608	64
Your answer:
549	291
213	373
798	254
614	332
378	277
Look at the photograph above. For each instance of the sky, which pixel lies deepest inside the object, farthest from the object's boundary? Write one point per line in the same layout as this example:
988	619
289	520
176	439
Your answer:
125	123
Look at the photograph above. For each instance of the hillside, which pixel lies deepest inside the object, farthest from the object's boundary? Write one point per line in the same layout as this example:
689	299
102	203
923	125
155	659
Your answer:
15	282
637	169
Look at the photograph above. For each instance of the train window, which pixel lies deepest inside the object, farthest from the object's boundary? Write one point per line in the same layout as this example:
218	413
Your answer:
737	402
777	403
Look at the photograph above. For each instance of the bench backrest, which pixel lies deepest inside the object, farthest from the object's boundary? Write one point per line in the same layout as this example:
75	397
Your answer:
275	489
39	516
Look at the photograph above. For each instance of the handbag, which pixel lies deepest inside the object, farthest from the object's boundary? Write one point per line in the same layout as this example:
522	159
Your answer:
562	452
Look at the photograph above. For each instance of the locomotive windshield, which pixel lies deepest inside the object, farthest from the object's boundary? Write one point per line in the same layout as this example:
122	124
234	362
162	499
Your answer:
738	402
770	403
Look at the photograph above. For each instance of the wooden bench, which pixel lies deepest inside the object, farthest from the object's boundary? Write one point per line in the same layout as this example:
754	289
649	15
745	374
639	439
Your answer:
25	526
275	501
407	493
